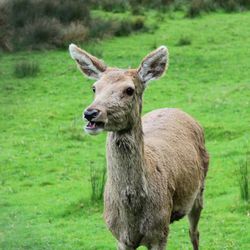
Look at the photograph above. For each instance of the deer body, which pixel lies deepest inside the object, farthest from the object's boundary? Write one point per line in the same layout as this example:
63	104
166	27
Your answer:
156	164
154	177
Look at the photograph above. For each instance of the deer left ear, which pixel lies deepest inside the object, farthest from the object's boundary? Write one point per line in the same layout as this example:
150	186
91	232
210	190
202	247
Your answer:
153	65
91	66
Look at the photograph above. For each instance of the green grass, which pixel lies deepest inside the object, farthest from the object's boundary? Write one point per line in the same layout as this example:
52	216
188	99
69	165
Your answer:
45	157
26	69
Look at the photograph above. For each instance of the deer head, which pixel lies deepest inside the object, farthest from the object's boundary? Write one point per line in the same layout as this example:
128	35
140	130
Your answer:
118	92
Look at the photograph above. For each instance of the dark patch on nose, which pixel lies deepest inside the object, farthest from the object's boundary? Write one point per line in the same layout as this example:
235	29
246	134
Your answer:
90	114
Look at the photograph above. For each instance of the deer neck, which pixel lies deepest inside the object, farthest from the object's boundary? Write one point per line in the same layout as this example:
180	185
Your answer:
125	155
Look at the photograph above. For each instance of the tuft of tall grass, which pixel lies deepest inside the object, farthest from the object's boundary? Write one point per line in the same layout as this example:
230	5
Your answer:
76	32
44	32
115	6
138	23
100	28
184	41
26	69
195	8
136	9
97	180
124	28
244	180
68	11
231	5
5	31
36	24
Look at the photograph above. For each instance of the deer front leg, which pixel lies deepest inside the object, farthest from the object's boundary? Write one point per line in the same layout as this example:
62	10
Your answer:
194	217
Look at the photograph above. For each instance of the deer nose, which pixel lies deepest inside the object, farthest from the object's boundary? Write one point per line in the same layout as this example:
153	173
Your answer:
89	114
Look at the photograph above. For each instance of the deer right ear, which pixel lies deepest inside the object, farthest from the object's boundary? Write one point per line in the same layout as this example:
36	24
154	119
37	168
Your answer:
91	66
153	65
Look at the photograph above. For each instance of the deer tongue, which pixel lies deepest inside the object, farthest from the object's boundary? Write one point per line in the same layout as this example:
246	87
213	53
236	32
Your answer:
91	125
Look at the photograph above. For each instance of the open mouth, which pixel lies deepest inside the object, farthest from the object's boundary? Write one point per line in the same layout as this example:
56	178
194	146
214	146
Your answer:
94	127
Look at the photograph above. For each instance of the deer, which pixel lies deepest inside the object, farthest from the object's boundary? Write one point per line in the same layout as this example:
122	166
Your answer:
156	164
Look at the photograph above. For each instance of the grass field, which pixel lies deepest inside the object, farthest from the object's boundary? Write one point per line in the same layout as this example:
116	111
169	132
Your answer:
45	158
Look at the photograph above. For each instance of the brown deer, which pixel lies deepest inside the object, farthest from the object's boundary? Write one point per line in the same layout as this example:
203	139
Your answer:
157	164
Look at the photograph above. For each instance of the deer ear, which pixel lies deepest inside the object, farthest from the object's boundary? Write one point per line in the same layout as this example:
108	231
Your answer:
91	66
153	65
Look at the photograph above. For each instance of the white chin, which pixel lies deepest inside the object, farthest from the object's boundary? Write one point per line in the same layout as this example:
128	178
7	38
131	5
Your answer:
95	131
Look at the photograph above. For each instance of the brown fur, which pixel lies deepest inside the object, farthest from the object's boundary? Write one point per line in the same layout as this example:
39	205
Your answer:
156	165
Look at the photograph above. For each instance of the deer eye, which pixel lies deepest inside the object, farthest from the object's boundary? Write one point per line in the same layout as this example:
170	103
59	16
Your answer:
93	88
130	91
